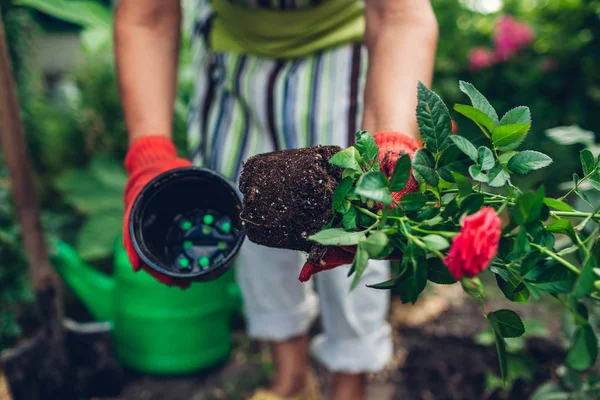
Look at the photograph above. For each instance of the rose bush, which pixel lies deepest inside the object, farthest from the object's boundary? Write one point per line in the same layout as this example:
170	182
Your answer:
468	216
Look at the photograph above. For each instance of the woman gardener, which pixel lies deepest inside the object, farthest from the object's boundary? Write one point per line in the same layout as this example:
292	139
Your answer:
275	74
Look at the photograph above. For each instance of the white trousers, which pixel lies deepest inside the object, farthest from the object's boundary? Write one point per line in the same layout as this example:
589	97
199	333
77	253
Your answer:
246	105
356	337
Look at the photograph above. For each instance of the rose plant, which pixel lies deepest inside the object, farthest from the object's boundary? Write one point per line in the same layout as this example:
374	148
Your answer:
466	216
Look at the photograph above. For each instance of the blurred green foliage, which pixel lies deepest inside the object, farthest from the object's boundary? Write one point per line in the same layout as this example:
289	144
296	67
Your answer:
557	77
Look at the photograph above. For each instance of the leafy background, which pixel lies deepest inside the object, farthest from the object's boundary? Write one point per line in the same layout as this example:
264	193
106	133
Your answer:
77	138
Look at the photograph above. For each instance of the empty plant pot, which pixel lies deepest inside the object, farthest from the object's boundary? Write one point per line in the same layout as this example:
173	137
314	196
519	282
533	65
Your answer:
185	224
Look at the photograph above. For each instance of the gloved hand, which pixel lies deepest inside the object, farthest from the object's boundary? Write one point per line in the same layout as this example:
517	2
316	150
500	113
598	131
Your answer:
147	158
392	145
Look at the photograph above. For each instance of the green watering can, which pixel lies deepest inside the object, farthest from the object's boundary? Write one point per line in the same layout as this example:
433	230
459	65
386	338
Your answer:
157	329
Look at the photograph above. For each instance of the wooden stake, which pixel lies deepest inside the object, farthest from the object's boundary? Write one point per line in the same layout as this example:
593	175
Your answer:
44	278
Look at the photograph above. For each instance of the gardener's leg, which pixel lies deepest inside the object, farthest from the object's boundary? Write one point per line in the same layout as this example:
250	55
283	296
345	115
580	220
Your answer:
357	338
279	309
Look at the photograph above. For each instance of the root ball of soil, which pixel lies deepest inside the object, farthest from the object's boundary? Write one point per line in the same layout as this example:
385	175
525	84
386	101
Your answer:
287	195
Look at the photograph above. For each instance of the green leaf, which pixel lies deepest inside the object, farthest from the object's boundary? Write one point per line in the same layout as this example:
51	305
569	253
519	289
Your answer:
424	167
84	13
585	280
428	214
501	350
374	186
438	272
472	203
557	204
367	148
584	349
359	264
522	245
340	193
518	115
401	173
479	117
562	226
436	242
389	284
465	146
434	120
587	161
527	161
508	322
550	391
463	184
513	290
507	137
349	219
351	173
347	158
478	100
497	176
555	279
410	288
413	201
451	209
375	243
476	174
504	158
337	237
528	207
95	190
486	158
97	236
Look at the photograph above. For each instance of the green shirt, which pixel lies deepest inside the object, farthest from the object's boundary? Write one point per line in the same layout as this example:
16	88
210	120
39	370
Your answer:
288	33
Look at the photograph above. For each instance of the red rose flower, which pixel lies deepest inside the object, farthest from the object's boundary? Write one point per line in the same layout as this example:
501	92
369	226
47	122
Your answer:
476	245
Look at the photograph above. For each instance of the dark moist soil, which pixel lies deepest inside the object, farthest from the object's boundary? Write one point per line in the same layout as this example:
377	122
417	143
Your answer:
287	195
435	358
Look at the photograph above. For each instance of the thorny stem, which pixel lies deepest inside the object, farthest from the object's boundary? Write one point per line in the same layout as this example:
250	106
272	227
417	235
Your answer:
556	257
367	212
493	198
577	184
416	240
441	233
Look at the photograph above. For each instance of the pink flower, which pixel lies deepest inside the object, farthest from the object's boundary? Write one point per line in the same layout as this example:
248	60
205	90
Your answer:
511	36
480	58
476	245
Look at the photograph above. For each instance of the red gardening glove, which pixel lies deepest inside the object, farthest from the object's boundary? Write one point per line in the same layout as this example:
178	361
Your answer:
147	158
392	145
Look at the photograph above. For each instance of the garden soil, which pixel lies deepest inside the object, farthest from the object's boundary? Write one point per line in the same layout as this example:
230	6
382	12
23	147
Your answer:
287	195
435	357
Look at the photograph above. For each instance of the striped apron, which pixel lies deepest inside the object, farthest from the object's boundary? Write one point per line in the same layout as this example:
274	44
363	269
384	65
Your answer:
245	104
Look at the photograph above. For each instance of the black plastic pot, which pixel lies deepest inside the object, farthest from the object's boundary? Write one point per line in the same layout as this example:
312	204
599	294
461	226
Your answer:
185	224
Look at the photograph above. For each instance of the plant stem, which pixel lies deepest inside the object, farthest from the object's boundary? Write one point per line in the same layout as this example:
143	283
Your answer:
418	241
386	210
441	233
574	214
577	184
556	257
367	212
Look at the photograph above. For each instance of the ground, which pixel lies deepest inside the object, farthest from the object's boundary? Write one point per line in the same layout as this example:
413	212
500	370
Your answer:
435	357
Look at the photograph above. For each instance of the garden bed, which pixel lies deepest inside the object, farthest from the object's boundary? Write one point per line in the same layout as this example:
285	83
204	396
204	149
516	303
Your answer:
435	358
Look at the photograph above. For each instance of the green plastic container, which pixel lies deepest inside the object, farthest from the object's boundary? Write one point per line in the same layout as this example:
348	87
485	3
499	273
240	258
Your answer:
157	329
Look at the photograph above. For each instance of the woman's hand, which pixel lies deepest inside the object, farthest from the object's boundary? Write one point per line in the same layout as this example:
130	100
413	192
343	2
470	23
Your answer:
147	158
